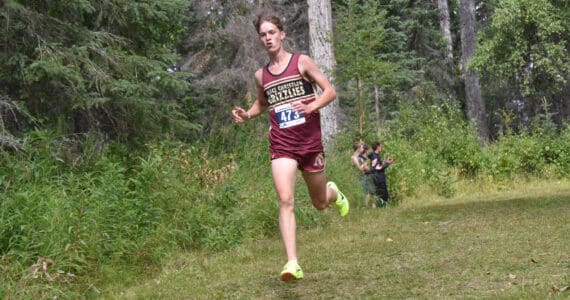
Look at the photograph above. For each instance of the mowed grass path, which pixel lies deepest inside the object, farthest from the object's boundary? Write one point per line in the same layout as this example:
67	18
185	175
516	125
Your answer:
500	245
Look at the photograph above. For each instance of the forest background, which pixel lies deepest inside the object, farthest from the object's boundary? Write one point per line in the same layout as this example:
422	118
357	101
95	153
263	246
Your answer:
118	147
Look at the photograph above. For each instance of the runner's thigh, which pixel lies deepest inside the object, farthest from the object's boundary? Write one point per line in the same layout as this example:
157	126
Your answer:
284	171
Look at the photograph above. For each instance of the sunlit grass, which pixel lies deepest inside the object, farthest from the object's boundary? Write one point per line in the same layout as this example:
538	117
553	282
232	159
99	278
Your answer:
481	244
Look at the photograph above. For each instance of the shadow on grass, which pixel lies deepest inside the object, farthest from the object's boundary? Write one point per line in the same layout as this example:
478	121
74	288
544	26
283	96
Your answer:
559	204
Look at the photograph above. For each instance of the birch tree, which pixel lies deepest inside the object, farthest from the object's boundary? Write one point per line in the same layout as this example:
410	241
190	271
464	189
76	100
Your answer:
445	27
476	113
321	50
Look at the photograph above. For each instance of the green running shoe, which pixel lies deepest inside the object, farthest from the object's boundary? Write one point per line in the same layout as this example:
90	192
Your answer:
291	271
341	201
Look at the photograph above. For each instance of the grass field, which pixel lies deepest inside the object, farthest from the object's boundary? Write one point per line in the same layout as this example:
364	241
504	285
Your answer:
480	245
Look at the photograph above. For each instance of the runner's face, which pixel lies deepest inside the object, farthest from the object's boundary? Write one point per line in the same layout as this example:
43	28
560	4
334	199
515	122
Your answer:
270	36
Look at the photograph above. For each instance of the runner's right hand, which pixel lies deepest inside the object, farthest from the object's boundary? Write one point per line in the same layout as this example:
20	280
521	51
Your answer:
240	115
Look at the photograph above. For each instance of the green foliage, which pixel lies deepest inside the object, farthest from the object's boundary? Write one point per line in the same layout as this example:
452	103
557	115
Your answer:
133	208
109	210
370	44
99	71
431	144
91	66
405	177
130	207
360	35
528	156
370	50
442	130
433	148
527	41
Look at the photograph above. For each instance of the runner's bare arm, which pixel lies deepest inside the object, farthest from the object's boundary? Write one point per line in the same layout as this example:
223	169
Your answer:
260	105
310	71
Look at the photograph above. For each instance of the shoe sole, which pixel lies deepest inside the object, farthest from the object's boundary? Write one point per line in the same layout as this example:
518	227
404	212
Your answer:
288	277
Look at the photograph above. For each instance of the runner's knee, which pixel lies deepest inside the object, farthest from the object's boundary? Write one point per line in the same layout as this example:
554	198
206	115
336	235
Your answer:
286	202
320	204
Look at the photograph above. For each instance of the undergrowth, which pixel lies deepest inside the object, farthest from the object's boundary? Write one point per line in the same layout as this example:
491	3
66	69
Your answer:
68	215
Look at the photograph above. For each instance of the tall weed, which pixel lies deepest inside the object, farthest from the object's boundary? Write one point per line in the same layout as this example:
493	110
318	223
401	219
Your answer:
131	210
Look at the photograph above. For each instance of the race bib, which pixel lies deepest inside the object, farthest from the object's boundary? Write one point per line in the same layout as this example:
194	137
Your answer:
287	116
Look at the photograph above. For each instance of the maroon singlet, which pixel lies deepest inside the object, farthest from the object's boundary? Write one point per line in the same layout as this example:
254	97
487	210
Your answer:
290	131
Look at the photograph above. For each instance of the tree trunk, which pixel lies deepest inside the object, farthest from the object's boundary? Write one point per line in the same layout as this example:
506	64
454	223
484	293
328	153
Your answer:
377	108
475	104
360	106
445	27
321	50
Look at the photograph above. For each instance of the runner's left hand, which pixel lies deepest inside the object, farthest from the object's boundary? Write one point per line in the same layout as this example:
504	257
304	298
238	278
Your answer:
302	108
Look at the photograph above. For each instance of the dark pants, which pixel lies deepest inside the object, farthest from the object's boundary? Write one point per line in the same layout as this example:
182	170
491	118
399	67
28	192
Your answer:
380	187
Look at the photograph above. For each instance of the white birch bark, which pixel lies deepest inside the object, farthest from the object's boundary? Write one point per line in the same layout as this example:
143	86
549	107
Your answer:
476	112
321	50
445	27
